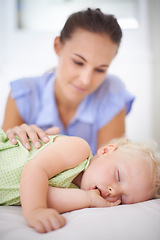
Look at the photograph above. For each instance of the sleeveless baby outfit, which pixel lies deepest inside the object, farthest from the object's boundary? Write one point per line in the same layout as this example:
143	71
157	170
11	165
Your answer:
12	160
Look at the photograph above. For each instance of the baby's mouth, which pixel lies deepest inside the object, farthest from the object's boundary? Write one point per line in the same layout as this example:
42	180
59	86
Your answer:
102	192
107	196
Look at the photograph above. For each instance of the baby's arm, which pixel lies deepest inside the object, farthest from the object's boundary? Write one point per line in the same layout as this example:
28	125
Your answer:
69	199
64	153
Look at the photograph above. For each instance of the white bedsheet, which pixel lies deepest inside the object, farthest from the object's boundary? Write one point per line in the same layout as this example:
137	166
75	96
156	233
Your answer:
125	222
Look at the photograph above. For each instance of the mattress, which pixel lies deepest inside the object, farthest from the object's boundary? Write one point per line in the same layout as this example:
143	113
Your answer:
140	221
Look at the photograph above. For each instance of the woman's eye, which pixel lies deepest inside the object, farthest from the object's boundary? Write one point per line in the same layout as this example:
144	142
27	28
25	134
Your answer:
118	176
100	70
78	63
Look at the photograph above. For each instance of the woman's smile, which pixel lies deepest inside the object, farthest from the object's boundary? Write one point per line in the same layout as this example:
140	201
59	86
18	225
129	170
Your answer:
78	88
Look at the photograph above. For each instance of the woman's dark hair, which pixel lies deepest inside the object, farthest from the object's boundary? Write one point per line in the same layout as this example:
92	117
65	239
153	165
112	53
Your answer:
92	20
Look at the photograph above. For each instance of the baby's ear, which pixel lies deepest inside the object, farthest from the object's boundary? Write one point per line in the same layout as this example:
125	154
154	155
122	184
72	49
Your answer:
106	149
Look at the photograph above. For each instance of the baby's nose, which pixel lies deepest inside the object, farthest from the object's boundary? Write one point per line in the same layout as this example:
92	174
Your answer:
113	195
112	191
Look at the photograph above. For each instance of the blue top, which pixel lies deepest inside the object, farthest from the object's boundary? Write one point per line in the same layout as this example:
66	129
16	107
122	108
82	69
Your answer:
37	105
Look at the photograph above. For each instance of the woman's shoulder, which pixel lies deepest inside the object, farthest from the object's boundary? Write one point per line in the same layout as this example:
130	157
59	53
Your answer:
112	84
27	84
31	93
109	99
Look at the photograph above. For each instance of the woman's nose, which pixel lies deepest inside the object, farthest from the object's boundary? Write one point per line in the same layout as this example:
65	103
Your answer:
86	77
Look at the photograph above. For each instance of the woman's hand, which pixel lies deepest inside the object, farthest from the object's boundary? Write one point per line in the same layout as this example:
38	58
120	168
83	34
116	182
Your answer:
45	220
33	132
97	201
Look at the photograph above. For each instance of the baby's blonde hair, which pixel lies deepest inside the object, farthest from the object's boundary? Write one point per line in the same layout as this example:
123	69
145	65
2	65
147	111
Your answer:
148	149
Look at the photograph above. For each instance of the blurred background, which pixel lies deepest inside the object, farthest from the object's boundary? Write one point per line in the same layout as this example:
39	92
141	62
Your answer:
27	32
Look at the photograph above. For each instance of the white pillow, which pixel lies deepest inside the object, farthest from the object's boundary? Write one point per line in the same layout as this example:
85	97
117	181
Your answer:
139	221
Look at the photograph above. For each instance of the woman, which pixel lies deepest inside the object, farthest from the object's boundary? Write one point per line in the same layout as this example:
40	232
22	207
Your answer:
78	97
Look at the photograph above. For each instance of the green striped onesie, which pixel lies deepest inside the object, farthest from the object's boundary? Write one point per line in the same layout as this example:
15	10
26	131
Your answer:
12	160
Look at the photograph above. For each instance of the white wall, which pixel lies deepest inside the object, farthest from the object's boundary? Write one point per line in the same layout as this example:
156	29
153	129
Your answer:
25	53
154	24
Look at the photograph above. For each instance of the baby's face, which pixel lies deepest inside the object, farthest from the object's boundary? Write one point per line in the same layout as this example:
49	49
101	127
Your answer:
119	175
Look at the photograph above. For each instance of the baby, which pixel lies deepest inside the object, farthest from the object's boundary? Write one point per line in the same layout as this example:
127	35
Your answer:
64	176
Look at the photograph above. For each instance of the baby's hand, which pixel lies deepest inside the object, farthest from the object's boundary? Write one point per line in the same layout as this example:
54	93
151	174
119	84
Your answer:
45	220
97	201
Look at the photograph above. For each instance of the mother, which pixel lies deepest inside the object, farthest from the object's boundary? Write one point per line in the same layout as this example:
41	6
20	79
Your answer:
77	97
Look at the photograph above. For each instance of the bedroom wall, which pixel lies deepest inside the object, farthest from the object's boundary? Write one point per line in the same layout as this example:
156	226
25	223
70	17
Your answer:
154	16
25	53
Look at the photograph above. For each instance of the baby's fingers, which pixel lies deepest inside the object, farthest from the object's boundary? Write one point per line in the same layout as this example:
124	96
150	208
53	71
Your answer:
38	226
57	222
48	225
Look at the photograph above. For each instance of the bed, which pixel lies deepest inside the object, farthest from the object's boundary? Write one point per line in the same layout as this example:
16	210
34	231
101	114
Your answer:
139	221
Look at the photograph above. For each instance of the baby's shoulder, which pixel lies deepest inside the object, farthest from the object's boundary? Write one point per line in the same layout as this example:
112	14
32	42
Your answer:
74	147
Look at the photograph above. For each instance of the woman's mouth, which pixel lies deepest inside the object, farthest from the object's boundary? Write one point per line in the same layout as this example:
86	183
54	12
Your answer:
79	89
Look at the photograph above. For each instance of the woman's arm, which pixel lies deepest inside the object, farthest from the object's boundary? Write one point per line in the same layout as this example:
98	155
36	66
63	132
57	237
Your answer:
14	125
114	129
65	153
12	117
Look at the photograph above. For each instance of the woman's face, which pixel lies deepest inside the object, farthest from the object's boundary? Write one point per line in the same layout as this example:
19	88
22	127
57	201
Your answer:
83	62
120	175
